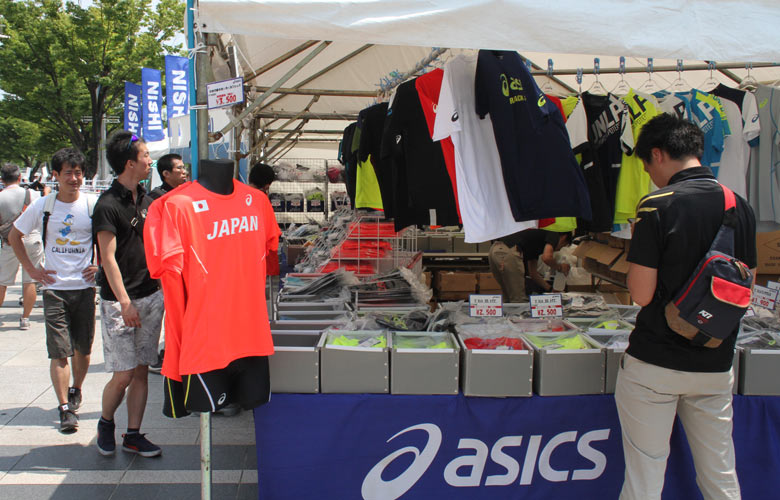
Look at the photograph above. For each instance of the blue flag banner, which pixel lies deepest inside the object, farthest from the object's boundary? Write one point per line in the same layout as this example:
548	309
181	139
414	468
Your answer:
367	446
133	107
177	86
152	100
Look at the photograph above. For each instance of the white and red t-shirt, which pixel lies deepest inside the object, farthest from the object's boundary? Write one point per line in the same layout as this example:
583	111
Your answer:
210	252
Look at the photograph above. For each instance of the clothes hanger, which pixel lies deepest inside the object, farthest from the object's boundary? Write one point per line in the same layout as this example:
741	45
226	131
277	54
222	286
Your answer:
679	85
597	87
547	87
649	86
711	82
622	88
749	82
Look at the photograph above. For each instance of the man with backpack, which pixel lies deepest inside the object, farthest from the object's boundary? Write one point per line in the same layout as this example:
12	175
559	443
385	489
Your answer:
68	278
13	201
666	373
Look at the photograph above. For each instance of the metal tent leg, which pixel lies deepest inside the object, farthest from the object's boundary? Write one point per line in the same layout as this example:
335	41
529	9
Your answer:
205	456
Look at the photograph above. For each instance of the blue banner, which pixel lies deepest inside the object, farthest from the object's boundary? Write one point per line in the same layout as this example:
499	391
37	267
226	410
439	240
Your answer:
133	111
177	86
152	104
454	447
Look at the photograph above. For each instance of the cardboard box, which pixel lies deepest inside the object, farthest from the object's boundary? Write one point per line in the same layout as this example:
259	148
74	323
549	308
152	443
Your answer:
353	369
424	371
604	261
768	248
427	277
455	281
496	373
486	283
295	365
452	296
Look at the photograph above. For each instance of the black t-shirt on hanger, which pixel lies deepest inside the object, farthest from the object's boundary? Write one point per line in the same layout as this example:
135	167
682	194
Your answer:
372	127
541	176
348	159
423	192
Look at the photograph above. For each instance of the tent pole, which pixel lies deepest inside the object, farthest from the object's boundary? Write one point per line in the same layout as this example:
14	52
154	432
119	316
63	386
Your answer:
271	133
320	92
297	130
556	80
322	72
257	102
279	60
657	69
284	115
193	90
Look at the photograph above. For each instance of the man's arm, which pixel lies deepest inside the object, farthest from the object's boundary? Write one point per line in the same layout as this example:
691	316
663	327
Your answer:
107	246
548	257
533	272
40	275
641	282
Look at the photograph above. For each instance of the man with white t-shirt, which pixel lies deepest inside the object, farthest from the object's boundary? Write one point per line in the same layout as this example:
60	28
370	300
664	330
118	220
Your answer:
14	200
68	277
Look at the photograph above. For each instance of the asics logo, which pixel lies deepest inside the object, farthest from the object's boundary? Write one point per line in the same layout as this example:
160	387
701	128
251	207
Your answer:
248	200
222	398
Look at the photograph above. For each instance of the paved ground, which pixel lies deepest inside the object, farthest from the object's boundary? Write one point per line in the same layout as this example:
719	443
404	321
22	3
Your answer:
37	462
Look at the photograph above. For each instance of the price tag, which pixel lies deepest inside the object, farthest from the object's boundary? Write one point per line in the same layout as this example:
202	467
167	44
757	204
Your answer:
774	285
490	306
225	93
547	306
764	297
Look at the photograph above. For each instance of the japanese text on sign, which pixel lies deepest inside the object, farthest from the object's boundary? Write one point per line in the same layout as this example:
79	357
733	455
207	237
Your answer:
546	306
764	297
774	285
225	93
485	306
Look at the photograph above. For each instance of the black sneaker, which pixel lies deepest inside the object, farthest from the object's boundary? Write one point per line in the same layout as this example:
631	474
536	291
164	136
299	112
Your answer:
69	421
157	366
74	398
137	443
106	441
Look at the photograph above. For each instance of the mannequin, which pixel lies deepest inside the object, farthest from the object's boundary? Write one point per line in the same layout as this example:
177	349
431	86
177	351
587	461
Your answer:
245	380
216	175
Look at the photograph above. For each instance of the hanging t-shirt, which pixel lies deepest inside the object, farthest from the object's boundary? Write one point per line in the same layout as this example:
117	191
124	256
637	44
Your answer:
541	176
484	206
764	188
634	182
706	111
68	239
742	112
600	130
428	88
347	158
217	244
419	182
367	142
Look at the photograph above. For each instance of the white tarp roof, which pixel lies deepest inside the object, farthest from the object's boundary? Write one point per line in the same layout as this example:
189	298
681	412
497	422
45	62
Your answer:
402	33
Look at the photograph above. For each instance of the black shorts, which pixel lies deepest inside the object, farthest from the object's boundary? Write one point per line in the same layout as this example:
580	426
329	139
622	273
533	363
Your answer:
70	321
245	381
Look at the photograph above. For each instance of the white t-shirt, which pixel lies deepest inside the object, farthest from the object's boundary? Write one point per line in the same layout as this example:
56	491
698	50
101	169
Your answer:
745	127
484	205
11	200
68	240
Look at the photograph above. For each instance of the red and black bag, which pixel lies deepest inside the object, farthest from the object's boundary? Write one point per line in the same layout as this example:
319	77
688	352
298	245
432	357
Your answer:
710	305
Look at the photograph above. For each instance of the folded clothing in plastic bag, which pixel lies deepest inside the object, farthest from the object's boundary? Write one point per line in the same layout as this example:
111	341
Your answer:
357	340
554	342
422	342
496	343
762	339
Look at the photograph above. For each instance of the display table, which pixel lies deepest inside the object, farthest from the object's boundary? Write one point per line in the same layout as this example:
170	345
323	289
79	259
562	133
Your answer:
345	447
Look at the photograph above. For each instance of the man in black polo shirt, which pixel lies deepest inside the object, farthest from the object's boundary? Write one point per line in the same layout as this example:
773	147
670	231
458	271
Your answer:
662	374
131	305
172	173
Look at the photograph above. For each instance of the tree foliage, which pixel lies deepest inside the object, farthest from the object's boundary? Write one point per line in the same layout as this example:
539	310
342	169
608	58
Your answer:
61	64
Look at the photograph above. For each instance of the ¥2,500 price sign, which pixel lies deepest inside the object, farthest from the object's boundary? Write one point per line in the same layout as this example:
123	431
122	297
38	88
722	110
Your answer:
225	93
547	306
764	297
490	306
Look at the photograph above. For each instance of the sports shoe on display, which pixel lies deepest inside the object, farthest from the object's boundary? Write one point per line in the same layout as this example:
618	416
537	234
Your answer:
106	441
157	366
137	443
74	398
24	323
69	421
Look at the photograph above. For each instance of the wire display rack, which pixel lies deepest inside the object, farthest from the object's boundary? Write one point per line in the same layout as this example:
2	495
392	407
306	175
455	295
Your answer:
294	193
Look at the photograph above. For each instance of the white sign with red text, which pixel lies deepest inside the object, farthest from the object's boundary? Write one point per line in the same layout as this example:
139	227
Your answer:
225	93
490	306
764	297
547	306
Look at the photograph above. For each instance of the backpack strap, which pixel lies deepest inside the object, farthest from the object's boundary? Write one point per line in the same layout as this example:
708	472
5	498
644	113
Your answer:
729	198
724	239
48	207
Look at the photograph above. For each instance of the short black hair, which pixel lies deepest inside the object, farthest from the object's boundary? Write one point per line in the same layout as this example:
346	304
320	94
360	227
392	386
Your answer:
679	137
122	146
165	163
71	156
261	175
10	172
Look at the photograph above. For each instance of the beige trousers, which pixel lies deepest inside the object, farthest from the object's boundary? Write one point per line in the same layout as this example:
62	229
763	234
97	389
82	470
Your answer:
648	397
507	267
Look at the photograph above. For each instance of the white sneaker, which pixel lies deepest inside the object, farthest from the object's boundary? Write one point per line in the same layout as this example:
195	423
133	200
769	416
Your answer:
24	323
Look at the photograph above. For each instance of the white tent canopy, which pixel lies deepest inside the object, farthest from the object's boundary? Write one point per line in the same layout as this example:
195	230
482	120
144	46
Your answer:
375	43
